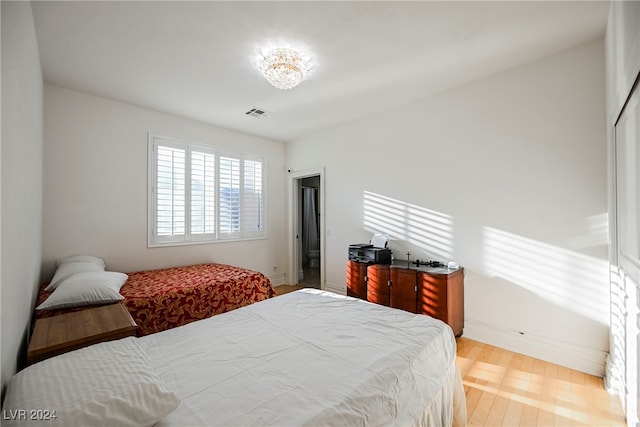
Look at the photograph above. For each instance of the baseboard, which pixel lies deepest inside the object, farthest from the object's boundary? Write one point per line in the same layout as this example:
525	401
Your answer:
587	360
278	279
338	289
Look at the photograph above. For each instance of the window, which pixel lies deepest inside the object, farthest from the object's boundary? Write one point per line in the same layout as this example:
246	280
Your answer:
199	194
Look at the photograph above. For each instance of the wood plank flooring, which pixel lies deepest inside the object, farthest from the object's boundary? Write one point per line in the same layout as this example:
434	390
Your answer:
509	389
285	289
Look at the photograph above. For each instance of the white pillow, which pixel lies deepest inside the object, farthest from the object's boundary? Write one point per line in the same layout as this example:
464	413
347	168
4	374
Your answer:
81	258
107	384
67	270
87	288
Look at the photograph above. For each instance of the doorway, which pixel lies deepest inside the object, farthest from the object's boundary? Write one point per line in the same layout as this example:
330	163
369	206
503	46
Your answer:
307	229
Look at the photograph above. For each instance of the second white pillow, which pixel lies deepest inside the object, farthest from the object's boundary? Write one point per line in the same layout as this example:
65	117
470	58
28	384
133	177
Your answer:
64	271
87	288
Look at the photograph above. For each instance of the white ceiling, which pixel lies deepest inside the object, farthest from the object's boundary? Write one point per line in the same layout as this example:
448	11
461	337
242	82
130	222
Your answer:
195	59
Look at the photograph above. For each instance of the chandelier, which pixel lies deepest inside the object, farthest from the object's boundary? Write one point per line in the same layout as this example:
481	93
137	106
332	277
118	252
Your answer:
284	67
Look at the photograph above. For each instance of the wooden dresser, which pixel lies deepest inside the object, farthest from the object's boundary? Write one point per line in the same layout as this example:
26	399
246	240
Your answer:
435	291
357	279
70	331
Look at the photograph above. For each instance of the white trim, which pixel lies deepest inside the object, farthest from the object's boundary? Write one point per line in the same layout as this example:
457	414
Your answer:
292	222
337	289
588	360
153	241
206	242
278	279
150	190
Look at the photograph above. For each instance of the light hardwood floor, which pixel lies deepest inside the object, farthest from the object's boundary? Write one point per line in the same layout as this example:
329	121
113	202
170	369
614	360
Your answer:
508	389
285	289
512	390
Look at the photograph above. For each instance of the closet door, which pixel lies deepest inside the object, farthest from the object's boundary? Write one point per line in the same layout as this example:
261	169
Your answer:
626	288
627	143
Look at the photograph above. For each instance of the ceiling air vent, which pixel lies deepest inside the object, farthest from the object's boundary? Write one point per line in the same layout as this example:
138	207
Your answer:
256	112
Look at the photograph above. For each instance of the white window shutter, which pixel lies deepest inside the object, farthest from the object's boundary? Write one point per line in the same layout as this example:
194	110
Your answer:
198	195
170	191
203	192
252	207
229	195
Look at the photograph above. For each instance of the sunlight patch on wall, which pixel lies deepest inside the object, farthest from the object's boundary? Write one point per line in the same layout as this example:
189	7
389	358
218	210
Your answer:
597	232
569	279
425	228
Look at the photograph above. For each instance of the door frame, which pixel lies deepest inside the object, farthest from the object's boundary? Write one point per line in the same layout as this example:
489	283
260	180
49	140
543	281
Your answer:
293	222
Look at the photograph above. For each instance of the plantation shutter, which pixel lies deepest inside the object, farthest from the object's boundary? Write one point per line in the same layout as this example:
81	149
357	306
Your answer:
170	192
203	193
197	194
252	214
229	197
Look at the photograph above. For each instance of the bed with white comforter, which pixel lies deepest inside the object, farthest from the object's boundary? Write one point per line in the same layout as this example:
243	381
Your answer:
308	358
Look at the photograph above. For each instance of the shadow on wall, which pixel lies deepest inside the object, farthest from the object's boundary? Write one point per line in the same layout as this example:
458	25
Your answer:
567	279
521	312
517	290
507	315
426	229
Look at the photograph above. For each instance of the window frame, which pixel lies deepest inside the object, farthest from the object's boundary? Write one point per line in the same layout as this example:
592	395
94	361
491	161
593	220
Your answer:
186	239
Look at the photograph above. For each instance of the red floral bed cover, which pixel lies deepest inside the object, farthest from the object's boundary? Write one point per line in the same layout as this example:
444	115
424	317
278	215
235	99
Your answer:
170	297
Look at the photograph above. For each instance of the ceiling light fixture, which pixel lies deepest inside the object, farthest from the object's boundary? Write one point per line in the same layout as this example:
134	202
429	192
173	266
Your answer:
285	67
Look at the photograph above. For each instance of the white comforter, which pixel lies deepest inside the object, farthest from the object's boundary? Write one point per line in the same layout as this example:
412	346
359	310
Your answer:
311	358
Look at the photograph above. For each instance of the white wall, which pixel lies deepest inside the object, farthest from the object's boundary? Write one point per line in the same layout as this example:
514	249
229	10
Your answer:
95	183
507	176
21	173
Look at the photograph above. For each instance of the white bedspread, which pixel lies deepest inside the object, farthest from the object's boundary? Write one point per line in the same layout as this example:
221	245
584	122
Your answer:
311	358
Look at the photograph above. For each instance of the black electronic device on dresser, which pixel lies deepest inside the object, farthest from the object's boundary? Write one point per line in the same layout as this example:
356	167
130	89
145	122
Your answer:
361	256
369	254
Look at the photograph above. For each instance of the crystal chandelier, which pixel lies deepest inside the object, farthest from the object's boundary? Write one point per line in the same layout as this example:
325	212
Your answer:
285	67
